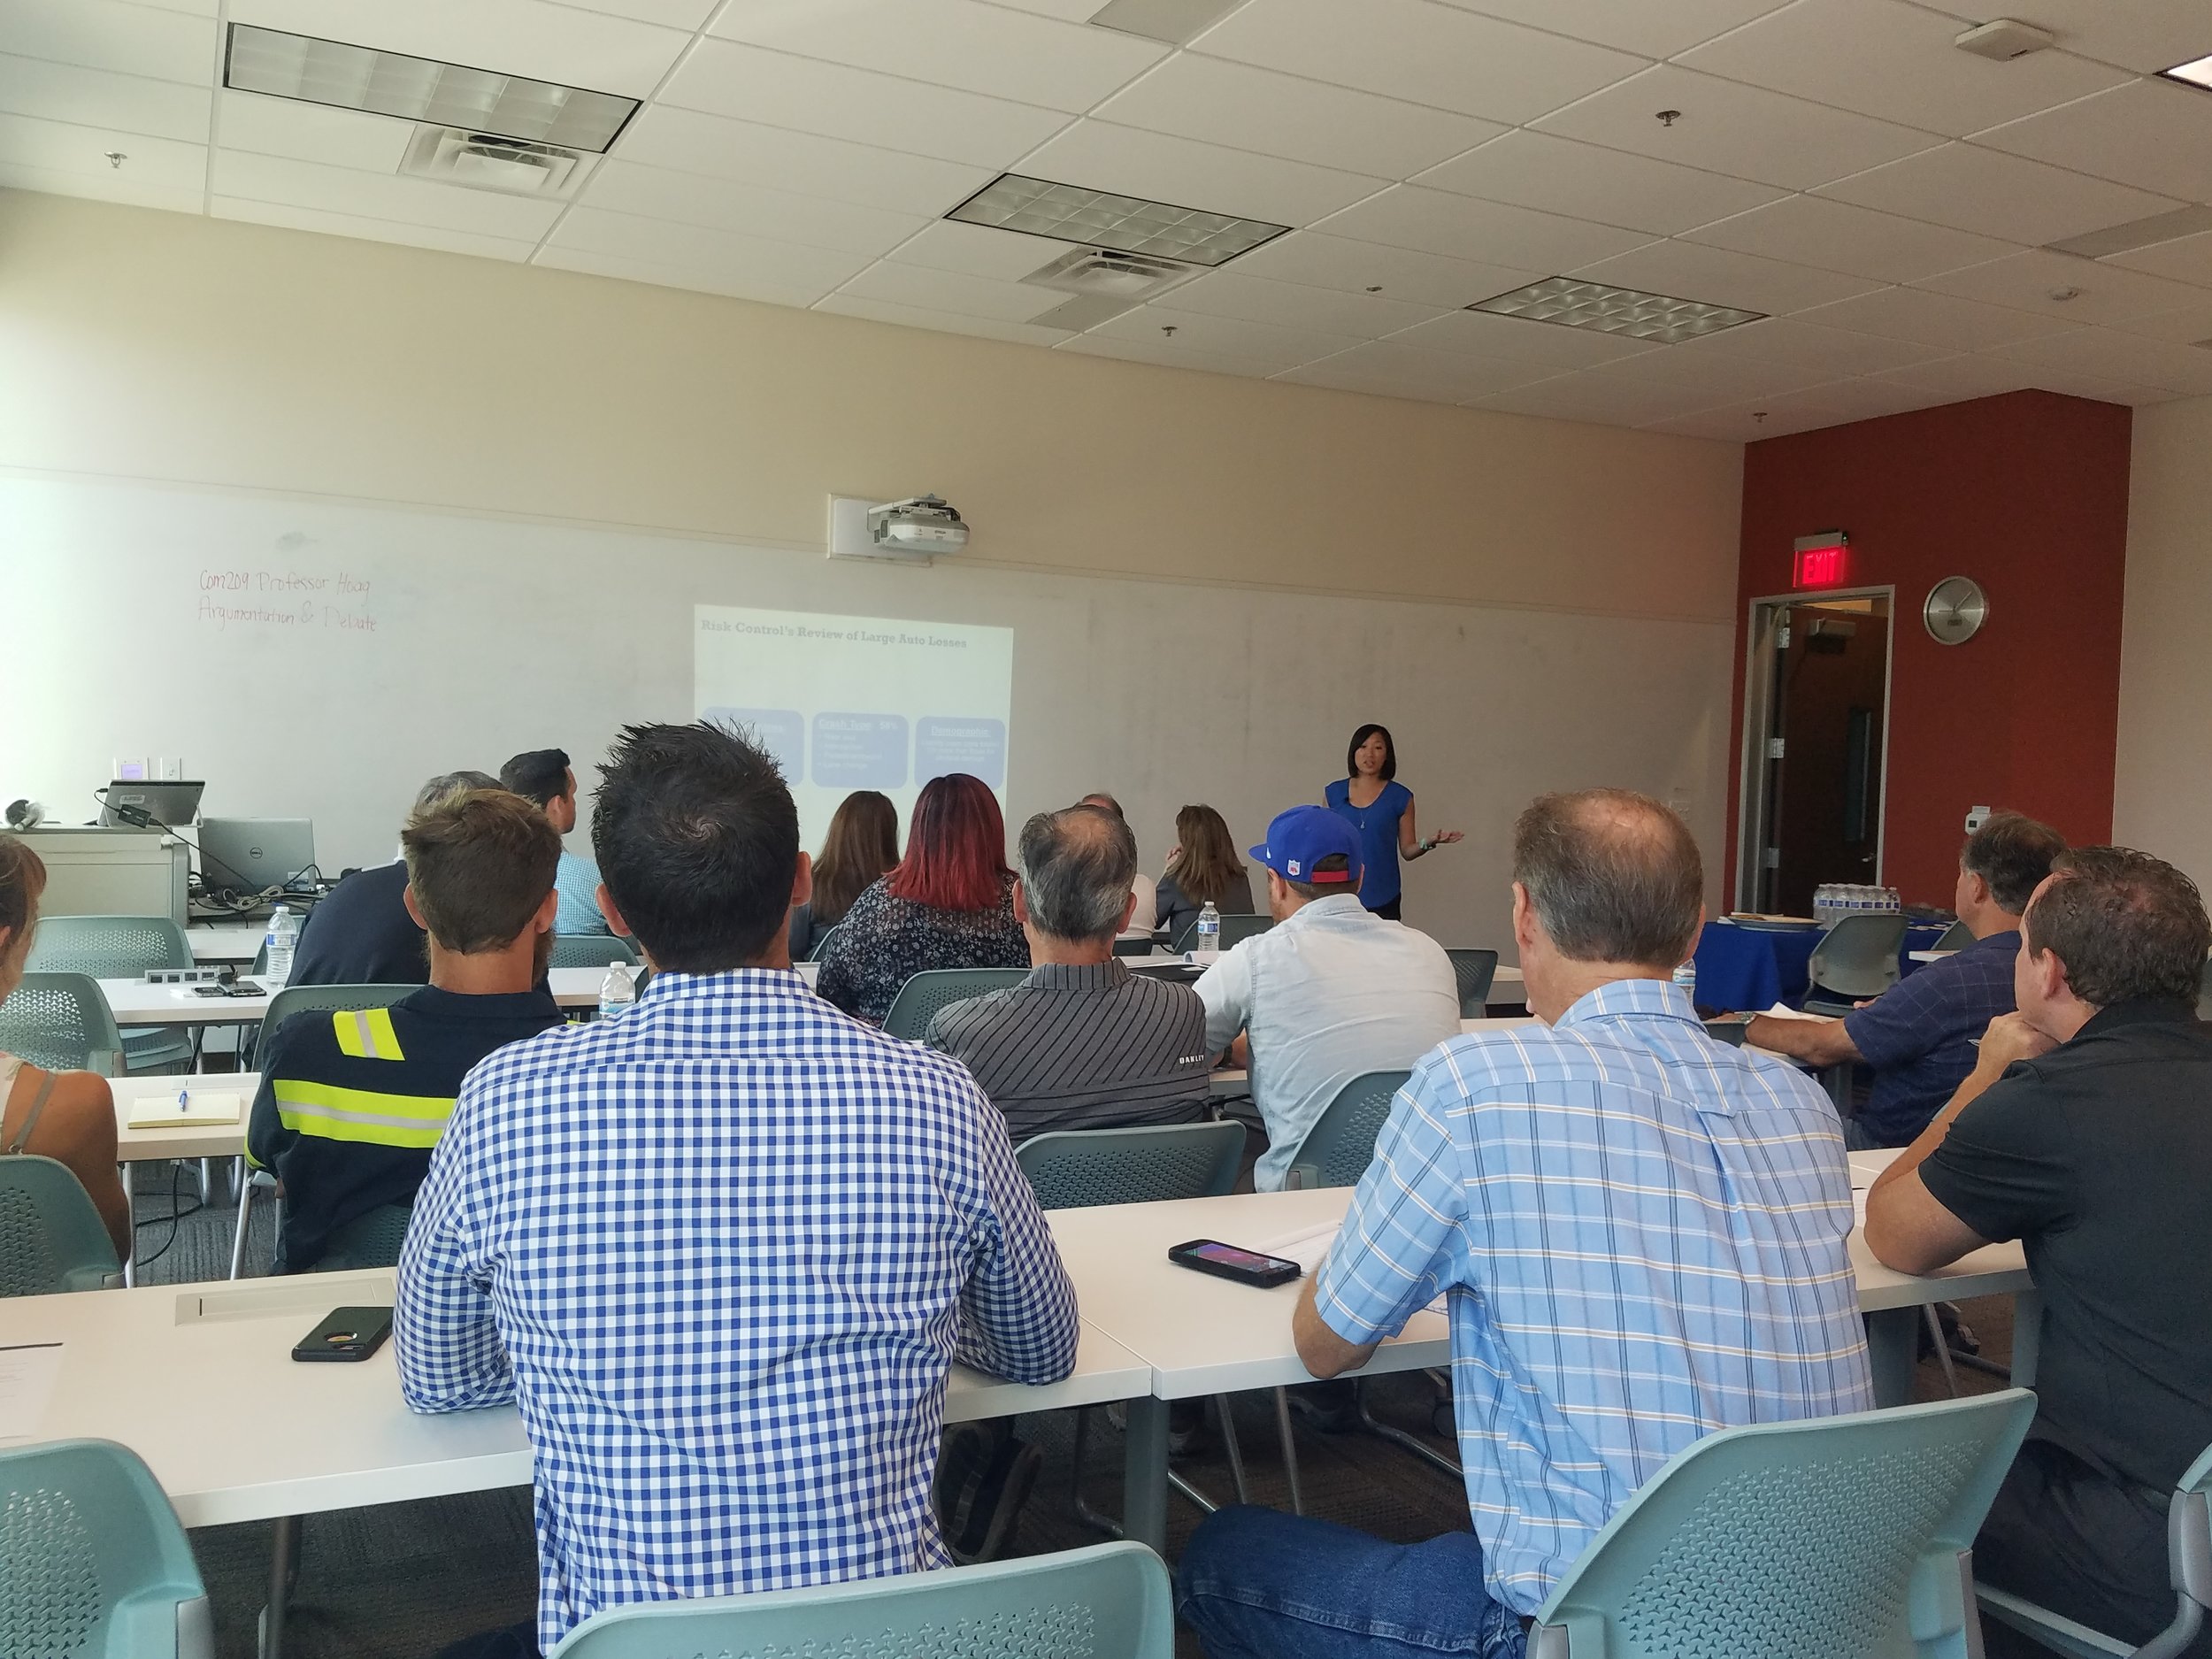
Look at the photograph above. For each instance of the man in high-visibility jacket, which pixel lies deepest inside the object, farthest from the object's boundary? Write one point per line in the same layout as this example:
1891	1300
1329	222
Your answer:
351	1103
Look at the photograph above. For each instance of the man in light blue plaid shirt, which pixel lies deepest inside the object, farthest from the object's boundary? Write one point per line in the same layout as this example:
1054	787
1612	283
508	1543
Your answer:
1641	1233
723	1249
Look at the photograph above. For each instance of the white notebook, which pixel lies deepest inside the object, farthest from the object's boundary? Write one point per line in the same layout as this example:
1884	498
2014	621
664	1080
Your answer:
162	1112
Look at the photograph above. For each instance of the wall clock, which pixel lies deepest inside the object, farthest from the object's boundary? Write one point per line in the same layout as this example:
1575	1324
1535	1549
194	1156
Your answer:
1955	610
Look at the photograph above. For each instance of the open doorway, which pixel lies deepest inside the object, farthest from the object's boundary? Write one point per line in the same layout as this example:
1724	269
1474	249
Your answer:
1816	746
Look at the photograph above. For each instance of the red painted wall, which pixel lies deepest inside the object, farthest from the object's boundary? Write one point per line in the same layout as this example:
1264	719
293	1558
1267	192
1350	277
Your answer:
2028	495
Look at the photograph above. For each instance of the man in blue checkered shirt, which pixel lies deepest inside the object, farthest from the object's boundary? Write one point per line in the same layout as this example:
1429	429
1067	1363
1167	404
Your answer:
722	1249
1641	1233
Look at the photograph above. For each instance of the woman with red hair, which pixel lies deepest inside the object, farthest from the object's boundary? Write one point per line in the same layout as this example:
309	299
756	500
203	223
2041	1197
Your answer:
949	903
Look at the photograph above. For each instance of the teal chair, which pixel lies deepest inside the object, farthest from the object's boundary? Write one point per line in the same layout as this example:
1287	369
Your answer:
93	1563
820	953
61	1022
1109	1602
1342	1143
2189	1560
1236	927
120	947
370	1240
1855	959
1474	970
1957	936
927	994
1845	1538
51	1238
591	950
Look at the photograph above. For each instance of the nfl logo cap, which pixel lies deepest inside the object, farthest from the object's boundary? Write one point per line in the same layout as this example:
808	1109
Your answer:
1301	838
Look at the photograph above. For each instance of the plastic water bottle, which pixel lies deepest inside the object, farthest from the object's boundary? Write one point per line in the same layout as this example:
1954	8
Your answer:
617	993
1685	978
1206	946
283	935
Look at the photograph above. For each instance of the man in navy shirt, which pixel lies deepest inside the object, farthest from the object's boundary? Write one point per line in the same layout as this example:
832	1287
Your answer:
1919	1035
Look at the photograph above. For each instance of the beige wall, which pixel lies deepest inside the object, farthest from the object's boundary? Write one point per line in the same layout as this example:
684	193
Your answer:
149	345
2162	793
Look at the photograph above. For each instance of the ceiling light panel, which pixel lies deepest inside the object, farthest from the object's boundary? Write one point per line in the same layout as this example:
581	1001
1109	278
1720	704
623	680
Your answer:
347	77
1098	219
1614	311
2197	72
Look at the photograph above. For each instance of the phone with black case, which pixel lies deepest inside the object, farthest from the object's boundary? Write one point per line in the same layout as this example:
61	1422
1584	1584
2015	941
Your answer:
1226	1261
348	1335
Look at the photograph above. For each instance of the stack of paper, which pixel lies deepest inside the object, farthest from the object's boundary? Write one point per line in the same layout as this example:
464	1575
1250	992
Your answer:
167	1111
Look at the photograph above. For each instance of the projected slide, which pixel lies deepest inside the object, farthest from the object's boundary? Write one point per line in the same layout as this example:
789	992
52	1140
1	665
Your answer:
857	703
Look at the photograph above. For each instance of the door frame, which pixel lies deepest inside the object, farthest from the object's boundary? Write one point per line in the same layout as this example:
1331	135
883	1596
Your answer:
1753	806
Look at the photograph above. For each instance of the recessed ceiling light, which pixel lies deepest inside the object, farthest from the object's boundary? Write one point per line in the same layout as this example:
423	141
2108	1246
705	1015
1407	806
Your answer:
1127	224
2197	72
1176	22
1611	310
346	77
2140	233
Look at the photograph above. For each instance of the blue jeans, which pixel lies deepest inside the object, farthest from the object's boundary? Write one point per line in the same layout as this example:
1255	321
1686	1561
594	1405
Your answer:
1259	1584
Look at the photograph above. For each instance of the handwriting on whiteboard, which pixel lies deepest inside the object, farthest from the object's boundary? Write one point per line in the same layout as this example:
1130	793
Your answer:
299	601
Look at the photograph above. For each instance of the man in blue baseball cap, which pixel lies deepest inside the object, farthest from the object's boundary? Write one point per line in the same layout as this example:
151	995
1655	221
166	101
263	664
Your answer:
1330	991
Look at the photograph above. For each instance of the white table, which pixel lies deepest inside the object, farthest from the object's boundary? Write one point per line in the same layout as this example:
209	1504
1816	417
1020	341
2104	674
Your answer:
1930	956
182	1141
134	1003
1235	1081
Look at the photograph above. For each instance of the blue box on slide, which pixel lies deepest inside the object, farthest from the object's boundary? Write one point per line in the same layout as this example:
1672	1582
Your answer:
944	744
781	732
860	751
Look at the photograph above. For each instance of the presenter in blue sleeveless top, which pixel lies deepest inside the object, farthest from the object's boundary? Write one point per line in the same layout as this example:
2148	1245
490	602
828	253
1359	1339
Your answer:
1382	810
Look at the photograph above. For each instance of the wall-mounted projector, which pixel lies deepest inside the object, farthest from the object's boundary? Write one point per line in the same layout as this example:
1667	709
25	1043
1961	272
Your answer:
920	524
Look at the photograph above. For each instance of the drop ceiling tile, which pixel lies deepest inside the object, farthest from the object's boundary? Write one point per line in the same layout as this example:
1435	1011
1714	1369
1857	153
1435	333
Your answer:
362	228
1578	397
2185	326
1184	173
161	164
514	37
1004	255
1709	377
1764	418
750	265
99	98
690	141
2186	259
723	78
937	290
1491	233
2030	280
675	14
1386	365
1420	52
1066	11
1297	306
1552	346
2150	134
1932	319
1559	175
1718	276
1996	195
107	185
710	275
779	215
1166	355
2128	358
2145	35
1225	336
374	196
1634	26
847	304
1884	59
197	8
1813	230
1223	103
312	132
1402	273
950	43
1984	375
1837	353
130	40
1727	128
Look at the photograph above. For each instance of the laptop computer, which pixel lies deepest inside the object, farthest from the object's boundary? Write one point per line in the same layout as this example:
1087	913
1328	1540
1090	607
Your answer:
173	802
250	855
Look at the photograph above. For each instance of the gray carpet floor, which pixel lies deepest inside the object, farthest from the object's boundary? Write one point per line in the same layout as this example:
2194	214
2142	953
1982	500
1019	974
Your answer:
400	1581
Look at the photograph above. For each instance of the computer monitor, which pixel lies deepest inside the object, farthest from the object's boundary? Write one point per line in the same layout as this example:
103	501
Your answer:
248	855
173	802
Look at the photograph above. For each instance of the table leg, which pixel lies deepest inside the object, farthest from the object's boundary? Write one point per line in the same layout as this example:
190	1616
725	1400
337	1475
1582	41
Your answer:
284	1571
1144	1474
1892	1342
130	1219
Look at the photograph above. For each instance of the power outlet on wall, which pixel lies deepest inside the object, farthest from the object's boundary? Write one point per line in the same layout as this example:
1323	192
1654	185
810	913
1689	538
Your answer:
173	769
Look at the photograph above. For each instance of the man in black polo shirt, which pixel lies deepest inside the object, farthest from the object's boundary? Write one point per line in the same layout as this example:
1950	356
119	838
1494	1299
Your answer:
351	1103
2085	1132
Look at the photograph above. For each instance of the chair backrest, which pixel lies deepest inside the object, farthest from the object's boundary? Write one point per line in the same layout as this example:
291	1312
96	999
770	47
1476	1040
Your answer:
928	992
108	946
1835	1538
62	1022
1109	1602
591	950
1957	936
1858	955
93	1563
326	999
822	945
1077	1168
51	1238
370	1240
1236	927
2204	991
1342	1143
1474	970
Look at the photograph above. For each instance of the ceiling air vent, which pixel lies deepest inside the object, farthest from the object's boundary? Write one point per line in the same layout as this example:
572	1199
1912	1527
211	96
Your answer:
486	161
1103	273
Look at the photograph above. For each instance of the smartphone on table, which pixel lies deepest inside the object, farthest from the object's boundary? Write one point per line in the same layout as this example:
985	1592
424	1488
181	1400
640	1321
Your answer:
1226	1261
348	1334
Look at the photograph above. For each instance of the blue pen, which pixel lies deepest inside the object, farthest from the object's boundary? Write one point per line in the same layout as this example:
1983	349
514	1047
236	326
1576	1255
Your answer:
184	1100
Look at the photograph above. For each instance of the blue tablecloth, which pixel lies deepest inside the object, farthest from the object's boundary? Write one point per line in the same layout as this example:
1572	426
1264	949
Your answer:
1752	968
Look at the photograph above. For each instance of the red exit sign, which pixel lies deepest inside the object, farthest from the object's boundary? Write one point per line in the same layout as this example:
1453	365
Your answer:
1822	560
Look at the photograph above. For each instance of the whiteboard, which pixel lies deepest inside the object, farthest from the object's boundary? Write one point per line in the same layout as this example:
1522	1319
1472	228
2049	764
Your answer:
316	658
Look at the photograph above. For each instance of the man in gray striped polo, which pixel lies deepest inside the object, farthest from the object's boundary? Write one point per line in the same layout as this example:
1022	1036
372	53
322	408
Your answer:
1082	1043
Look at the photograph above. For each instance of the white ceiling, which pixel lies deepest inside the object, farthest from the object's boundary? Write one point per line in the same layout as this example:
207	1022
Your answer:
1836	163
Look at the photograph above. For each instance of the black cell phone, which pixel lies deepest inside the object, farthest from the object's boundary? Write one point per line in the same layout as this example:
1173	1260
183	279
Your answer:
350	1333
1226	1261
211	990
